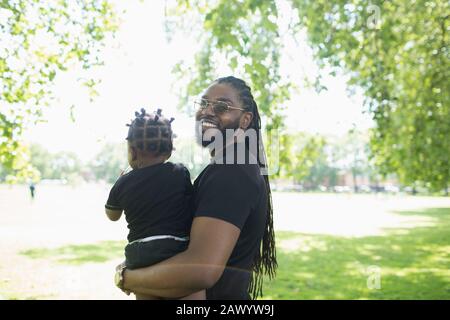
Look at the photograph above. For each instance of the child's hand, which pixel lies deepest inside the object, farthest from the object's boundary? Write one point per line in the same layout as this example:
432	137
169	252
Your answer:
124	171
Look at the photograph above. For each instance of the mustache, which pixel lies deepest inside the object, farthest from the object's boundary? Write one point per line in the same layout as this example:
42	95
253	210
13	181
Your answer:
210	119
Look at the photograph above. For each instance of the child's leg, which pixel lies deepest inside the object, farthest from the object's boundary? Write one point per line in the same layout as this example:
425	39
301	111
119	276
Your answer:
145	297
199	295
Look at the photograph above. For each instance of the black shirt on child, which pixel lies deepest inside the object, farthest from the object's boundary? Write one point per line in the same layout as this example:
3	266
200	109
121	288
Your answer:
156	200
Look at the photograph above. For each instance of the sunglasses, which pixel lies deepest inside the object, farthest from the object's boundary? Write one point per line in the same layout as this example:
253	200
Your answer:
217	106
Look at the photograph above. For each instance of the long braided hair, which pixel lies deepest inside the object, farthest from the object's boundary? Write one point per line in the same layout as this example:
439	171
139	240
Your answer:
265	262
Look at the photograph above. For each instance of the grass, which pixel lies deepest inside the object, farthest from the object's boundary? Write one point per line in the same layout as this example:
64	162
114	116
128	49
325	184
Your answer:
414	263
19	296
79	254
9	293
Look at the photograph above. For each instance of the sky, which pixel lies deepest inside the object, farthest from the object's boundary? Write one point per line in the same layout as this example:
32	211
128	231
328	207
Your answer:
137	73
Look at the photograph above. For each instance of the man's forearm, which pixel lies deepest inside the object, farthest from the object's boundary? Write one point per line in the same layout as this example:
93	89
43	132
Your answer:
176	277
164	293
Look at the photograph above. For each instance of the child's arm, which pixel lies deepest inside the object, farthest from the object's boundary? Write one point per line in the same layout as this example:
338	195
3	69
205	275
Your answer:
113	208
113	215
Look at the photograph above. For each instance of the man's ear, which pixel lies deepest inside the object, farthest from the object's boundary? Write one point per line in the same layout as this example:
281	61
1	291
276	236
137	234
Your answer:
246	120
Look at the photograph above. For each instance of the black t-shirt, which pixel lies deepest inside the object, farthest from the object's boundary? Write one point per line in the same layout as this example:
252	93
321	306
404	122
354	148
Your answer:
156	200
235	193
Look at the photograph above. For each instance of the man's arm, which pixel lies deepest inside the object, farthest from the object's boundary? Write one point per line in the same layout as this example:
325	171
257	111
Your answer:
199	267
113	215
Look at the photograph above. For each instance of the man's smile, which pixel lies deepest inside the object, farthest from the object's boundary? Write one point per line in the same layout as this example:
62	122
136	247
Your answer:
207	124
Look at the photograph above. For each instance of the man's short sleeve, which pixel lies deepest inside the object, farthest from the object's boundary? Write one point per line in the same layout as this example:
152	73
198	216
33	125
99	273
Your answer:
226	192
113	200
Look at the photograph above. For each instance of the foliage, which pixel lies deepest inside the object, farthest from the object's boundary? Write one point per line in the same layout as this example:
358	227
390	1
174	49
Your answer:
396	51
20	169
314	160
38	40
112	158
244	34
307	151
324	171
350	154
109	162
61	166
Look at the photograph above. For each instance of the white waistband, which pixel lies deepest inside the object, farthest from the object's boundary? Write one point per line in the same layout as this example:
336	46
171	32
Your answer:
160	237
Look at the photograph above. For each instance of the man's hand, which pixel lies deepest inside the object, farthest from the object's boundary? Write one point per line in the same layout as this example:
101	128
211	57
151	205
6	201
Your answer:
199	267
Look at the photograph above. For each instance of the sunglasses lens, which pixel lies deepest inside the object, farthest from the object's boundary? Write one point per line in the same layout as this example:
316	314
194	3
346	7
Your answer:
204	104
217	106
220	107
199	105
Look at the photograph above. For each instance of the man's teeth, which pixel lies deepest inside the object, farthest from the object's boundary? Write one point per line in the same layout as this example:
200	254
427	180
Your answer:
208	124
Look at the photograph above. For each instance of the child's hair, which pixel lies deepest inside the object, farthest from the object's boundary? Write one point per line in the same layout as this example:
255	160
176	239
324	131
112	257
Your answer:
151	133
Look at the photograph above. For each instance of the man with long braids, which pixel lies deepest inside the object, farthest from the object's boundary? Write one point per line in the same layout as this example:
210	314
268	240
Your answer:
232	242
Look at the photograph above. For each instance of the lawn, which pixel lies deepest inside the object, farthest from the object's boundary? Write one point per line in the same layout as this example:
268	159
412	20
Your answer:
329	246
412	264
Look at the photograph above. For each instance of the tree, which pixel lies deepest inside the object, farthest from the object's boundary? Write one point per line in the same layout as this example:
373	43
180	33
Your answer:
109	162
38	40
23	170
324	171
307	151
314	160
349	154
66	166
396	51
298	154
244	34
61	166
282	159
41	159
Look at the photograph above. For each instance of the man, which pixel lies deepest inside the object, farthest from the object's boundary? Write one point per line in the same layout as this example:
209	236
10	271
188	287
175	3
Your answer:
232	240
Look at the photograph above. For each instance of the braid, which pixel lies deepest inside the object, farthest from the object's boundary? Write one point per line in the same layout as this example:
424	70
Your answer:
265	261
151	133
